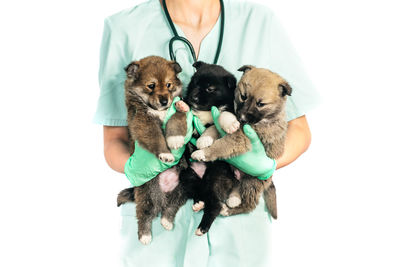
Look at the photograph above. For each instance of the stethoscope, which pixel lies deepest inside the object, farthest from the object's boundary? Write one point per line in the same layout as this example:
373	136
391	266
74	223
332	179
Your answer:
186	41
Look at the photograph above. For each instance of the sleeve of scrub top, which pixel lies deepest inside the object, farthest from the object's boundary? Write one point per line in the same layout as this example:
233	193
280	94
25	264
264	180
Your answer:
284	60
111	109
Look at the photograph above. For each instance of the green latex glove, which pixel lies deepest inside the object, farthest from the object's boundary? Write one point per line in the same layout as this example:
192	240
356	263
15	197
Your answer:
254	162
199	127
143	166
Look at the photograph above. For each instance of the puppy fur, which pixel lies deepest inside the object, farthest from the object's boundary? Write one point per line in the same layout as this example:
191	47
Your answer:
150	87
211	85
260	99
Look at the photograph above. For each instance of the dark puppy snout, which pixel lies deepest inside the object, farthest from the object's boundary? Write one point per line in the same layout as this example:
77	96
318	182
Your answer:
163	100
241	118
194	98
246	118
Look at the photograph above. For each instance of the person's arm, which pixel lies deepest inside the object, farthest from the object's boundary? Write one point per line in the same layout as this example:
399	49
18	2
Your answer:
116	150
298	139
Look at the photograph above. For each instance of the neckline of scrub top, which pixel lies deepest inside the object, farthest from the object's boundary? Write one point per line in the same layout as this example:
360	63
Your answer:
209	54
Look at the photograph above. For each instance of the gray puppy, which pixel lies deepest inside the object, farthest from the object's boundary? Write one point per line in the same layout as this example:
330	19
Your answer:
260	99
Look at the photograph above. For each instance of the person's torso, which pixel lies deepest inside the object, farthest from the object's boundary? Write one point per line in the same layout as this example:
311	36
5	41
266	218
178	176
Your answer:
245	40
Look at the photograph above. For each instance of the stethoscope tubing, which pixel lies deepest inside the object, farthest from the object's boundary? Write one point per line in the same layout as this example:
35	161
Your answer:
187	42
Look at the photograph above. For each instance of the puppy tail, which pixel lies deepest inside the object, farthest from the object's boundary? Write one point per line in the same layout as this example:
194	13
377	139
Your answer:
126	195
270	199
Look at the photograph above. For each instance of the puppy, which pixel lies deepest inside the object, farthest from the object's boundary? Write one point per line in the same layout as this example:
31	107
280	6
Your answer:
150	87
211	85
260	99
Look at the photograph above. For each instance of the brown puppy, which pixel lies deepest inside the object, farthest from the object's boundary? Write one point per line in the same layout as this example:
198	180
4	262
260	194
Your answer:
260	99
150	87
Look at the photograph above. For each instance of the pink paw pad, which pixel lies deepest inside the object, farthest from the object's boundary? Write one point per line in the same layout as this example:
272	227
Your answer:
181	106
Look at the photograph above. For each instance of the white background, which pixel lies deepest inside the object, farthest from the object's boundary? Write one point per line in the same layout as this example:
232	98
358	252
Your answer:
338	203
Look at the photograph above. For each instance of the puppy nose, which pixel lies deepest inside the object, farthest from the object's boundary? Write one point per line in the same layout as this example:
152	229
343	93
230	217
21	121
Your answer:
243	119
163	100
194	98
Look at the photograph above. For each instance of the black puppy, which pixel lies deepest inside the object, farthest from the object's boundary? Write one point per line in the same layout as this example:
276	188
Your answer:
207	183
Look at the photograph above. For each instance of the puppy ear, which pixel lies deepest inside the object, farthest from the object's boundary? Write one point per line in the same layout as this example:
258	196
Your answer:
176	66
132	69
285	89
231	81
245	68
198	64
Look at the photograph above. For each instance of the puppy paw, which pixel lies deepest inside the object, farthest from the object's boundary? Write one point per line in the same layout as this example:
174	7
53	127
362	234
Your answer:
204	141
224	210
181	106
199	155
168	225
175	142
145	239
198	206
233	201
228	122
166	157
200	232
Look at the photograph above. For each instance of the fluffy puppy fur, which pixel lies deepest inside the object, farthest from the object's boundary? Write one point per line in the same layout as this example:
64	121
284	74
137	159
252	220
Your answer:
150	87
211	85
260	99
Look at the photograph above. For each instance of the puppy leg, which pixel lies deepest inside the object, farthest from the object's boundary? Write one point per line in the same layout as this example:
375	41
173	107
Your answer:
168	216
145	213
191	183
218	182
228	146
175	199
250	192
175	130
142	125
208	137
212	208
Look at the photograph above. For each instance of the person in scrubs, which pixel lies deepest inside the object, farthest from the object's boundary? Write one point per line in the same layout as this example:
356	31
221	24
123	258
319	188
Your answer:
253	36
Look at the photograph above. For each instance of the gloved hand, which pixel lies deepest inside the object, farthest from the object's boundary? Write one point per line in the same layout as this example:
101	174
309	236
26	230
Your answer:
254	162
142	166
199	127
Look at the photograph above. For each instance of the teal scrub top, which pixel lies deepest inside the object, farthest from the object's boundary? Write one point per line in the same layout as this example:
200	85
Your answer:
253	36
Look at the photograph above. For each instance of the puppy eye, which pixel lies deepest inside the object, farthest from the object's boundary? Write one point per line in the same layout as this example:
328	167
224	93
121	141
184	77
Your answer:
210	89
168	85
260	105
243	97
151	86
